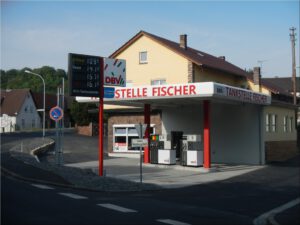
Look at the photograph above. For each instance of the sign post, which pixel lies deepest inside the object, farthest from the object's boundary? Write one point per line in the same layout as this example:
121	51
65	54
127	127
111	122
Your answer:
140	128
56	114
88	75
101	95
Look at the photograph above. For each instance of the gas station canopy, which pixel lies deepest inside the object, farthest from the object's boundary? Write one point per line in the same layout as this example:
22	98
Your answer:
181	94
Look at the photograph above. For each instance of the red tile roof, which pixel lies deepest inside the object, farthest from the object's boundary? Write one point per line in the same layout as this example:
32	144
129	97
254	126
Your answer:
51	100
12	101
198	57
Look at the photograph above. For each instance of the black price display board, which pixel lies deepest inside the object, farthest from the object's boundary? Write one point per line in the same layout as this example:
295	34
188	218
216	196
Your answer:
84	75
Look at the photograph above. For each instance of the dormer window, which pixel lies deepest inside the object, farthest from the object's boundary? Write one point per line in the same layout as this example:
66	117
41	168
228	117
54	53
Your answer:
143	57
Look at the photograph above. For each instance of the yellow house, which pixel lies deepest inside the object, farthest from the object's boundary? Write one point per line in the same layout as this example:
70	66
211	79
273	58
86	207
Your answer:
153	60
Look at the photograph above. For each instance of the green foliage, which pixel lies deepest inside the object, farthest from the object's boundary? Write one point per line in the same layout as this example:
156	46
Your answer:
17	79
79	113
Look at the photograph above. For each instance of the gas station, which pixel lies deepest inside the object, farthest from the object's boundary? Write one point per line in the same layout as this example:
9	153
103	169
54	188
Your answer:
202	123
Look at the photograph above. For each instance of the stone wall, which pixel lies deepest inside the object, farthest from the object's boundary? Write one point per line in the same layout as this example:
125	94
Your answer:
280	150
131	118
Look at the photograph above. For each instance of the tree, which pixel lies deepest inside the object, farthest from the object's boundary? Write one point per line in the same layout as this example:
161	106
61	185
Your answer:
79	112
17	79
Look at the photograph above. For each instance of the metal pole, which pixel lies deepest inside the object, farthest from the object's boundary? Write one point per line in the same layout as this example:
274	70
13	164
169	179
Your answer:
44	98
292	37
44	106
141	159
60	130
101	90
56	134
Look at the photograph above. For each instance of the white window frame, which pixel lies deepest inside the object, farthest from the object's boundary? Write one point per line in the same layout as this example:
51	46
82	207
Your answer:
141	60
129	83
268	129
285	124
291	124
273	122
158	81
125	149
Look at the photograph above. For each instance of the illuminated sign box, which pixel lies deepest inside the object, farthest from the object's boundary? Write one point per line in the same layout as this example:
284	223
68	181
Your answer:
84	74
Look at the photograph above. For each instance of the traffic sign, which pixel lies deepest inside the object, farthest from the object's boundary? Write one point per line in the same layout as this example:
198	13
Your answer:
109	92
140	128
139	142
56	113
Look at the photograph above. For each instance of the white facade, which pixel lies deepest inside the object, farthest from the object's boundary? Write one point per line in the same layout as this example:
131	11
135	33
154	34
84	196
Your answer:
26	119
7	123
236	135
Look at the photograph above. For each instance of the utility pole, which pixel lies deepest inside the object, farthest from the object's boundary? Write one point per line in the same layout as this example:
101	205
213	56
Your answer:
293	42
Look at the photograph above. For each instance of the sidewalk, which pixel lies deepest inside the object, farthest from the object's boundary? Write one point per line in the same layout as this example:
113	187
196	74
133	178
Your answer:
166	176
121	173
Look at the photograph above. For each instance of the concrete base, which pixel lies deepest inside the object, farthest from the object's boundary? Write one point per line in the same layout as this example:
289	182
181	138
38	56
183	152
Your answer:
125	155
167	176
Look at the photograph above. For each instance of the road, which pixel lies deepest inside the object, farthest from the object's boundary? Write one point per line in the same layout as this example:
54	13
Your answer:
238	200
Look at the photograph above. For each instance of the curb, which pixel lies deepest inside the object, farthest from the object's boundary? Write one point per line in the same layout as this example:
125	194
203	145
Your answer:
41	149
69	186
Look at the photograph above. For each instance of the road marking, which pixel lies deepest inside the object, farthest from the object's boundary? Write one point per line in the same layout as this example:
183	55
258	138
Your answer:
42	186
173	222
117	208
263	218
74	196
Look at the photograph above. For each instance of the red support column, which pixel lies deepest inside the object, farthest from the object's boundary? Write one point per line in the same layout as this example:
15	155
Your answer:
101	92
206	133
147	132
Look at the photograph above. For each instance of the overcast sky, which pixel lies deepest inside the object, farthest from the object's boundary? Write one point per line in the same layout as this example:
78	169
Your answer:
37	33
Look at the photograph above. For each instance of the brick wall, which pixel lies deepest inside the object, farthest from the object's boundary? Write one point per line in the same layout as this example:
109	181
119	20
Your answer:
91	130
130	118
84	130
280	150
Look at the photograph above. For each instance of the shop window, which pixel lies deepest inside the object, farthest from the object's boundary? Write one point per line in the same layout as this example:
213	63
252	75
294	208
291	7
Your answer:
132	130
120	130
123	135
267	122
274	123
143	57
158	82
120	143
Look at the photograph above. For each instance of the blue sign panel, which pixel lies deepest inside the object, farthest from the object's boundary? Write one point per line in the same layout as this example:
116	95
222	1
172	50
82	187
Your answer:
56	113
109	92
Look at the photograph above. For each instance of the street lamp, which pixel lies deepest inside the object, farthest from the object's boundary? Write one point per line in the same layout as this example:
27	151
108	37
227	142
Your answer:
27	71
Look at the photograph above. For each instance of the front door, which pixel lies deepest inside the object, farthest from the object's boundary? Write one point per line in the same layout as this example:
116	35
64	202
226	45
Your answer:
176	137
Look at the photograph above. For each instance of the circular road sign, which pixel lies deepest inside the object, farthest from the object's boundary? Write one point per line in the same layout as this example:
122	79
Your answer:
56	113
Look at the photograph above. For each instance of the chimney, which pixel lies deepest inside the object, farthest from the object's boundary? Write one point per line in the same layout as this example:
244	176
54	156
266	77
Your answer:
256	76
183	41
222	57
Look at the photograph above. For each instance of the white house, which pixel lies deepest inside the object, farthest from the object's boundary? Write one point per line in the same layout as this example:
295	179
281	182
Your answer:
18	111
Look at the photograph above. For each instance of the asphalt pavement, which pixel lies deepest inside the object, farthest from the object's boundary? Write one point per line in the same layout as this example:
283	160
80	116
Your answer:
236	200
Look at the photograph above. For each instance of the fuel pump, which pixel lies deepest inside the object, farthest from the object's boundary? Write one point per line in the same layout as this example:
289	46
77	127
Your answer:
155	144
191	151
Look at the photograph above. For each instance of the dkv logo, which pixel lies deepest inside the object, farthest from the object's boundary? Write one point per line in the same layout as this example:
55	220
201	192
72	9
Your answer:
114	72
114	80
